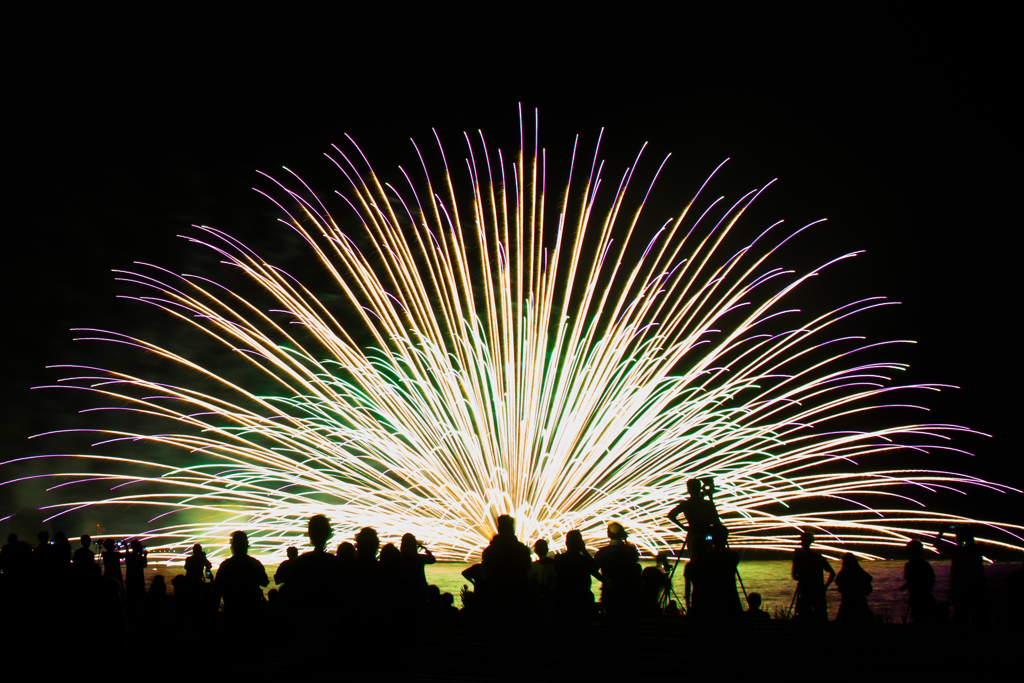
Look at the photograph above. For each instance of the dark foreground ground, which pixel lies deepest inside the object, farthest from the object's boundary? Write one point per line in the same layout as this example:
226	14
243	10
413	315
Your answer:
655	650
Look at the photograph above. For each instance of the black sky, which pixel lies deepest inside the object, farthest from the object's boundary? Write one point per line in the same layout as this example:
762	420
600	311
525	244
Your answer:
901	129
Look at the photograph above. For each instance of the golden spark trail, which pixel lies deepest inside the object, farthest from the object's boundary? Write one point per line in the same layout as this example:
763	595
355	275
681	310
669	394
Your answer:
503	353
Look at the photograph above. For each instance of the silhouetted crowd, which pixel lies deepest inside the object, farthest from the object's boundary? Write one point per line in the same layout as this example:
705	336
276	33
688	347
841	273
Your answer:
364	588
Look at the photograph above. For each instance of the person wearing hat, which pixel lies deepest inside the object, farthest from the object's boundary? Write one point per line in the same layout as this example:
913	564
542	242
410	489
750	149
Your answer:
809	569
919	579
619	565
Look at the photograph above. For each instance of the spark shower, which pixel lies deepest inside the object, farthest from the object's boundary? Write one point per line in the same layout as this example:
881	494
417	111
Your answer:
491	347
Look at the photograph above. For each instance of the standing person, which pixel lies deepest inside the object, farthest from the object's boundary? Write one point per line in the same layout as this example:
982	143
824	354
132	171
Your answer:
284	570
701	515
314	577
112	560
413	562
61	553
84	560
240	580
15	560
192	592
135	563
919	579
365	582
574	602
854	585
542	571
542	580
968	590
619	565
809	569
196	565
714	580
43	558
505	566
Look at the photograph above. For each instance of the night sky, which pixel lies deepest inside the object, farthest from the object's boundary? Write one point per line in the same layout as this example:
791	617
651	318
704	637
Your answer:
898	129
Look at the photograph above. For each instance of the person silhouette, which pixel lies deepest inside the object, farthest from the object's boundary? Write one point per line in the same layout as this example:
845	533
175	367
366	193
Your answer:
61	553
413	563
240	581
196	565
542	579
285	569
701	515
314	577
968	589
364	583
574	601
809	569
449	613
854	585
15	559
505	566
919	580
398	595
135	562
346	555
754	610
711	578
112	561
654	587
17	597
542	571
84	559
619	565
156	599
43	558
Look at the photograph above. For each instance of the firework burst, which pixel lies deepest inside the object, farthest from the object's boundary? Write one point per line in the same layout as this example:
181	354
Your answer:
493	353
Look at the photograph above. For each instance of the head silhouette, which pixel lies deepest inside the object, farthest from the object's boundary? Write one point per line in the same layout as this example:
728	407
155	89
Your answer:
506	524
806	539
239	543
197	549
754	600
108	545
85	540
693	488
617	532
44	537
915	549
390	555
574	541
719	537
850	561
408	545
292	552
367	544
541	547
12	538
346	552
319	530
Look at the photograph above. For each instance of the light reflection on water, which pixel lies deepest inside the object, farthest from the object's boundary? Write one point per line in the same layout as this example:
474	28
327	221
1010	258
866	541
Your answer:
770	578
